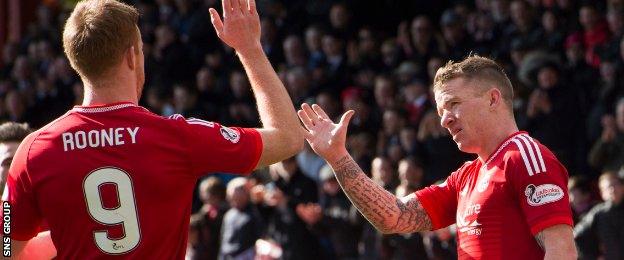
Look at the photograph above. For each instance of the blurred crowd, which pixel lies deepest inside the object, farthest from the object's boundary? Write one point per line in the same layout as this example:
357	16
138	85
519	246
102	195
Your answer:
565	59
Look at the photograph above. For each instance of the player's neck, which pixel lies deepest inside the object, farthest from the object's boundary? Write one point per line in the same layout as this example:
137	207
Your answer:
495	139
108	92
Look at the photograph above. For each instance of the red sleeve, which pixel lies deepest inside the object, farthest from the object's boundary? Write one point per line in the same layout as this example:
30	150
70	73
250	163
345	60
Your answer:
216	148
440	201
540	185
25	215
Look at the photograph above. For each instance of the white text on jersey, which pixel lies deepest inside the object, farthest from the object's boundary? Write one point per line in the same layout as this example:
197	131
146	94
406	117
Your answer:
98	138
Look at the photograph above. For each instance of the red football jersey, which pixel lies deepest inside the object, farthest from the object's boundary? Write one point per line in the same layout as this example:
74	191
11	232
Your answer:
118	179
499	206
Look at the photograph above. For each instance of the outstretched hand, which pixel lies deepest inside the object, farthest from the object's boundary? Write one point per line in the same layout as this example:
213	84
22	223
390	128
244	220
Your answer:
240	27
326	138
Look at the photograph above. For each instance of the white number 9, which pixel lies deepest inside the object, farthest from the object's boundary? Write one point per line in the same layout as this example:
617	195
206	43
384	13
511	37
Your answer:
125	213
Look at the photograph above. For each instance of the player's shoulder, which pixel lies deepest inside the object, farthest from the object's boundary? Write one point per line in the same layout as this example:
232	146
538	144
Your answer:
528	154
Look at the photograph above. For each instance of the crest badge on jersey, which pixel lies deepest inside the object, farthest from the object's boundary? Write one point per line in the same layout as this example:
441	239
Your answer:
230	134
542	194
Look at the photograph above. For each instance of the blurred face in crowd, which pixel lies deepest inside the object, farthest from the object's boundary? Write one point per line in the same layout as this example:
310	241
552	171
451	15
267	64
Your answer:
519	13
619	115
313	38
332	46
239	197
607	71
297	82
366	41
384	92
549	22
462	108
547	78
574	52
611	189
183	99
239	84
390	53
588	17
392	122
410	173
204	80
339	16
382	170
616	21
294	51
421	29
7	151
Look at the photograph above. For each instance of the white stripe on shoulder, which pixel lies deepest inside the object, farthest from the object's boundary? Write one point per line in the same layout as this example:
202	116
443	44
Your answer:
539	152
523	154
175	116
531	153
196	121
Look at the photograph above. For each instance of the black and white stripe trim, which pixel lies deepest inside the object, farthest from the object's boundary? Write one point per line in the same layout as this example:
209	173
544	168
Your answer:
530	153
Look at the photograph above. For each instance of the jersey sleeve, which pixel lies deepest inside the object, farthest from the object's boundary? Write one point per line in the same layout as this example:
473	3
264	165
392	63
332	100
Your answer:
216	148
539	183
440	201
25	215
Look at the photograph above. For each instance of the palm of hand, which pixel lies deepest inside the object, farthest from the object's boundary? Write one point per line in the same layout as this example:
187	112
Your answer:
323	136
326	138
240	27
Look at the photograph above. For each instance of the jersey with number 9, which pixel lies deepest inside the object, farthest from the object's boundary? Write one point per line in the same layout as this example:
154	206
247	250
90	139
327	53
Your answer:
118	180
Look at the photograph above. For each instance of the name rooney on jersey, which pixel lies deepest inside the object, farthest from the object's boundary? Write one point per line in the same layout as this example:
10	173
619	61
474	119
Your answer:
98	138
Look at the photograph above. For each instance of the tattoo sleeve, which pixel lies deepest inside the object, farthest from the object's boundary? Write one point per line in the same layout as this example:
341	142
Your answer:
383	209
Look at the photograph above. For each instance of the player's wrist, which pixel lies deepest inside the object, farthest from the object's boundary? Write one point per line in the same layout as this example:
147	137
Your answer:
252	51
337	156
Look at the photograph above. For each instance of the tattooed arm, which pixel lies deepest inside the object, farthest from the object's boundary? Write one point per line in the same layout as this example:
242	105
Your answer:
558	242
383	209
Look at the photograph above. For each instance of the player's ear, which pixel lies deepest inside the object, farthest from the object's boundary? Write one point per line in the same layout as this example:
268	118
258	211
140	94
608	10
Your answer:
495	97
130	57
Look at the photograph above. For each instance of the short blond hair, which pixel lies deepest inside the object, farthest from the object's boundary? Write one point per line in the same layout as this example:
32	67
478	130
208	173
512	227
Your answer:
97	34
476	68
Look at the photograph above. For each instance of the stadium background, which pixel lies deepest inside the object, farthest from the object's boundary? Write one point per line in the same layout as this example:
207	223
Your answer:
564	57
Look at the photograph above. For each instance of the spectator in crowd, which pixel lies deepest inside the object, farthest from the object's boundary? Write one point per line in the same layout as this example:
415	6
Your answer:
208	220
581	196
288	190
334	217
598	234
242	225
11	135
607	154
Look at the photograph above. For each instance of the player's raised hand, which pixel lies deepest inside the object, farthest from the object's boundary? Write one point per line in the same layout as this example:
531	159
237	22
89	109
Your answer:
240	26
326	138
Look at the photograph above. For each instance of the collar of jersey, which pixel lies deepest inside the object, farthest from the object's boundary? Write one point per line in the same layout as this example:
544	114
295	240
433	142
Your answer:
103	108
501	146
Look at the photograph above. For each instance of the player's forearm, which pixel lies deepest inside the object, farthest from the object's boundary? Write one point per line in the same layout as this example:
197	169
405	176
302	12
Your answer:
557	242
274	104
383	209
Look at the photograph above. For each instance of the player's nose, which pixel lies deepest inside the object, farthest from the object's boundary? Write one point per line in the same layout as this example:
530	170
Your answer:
446	120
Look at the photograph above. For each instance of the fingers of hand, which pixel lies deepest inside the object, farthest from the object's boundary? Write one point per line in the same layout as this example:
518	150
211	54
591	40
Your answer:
305	119
227	8
235	7
252	6
216	20
311	114
320	112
